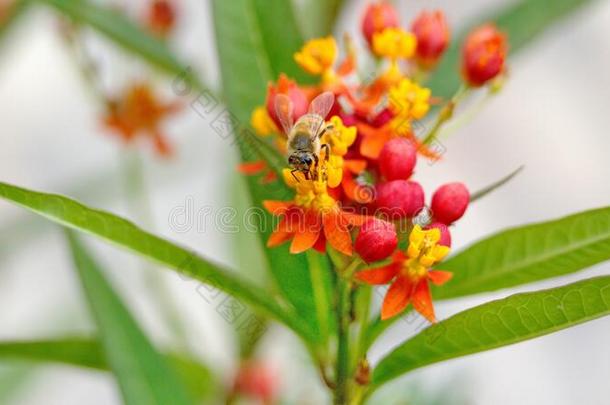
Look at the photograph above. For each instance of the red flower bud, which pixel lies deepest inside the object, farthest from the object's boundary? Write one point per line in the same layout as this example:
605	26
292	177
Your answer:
400	198
432	34
161	17
376	241
258	381
397	159
484	54
449	202
378	17
445	234
293	91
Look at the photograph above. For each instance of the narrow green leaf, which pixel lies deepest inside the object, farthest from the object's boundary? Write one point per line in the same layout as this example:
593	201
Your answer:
523	22
123	233
492	187
499	323
114	25
86	352
529	253
323	287
248	62
143	375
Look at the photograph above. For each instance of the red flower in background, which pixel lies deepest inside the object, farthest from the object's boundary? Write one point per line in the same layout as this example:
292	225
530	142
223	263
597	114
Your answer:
433	37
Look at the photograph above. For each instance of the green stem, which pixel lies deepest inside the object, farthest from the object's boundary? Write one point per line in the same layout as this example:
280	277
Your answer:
344	286
320	285
446	113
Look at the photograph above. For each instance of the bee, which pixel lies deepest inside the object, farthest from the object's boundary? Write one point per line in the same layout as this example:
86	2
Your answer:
304	136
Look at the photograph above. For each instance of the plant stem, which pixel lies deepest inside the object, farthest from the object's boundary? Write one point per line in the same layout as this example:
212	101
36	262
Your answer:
344	286
445	113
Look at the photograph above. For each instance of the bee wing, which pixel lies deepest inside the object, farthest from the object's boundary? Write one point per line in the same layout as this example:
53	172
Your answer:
284	111
322	104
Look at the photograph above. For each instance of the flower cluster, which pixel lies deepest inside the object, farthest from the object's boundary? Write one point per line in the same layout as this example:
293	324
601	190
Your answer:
362	173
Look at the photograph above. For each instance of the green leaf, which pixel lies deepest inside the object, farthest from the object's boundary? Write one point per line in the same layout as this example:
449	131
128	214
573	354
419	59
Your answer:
492	187
499	323
247	64
322	15
123	233
125	33
523	22
144	376
86	352
529	253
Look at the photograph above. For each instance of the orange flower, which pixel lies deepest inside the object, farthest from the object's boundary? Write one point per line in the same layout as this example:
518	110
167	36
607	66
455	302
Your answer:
311	218
138	111
410	273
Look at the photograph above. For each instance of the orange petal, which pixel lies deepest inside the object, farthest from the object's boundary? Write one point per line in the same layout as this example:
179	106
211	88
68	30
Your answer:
355	166
379	275
279	235
270	177
307	234
422	300
250	168
397	298
162	147
372	144
320	245
277	207
439	277
337	234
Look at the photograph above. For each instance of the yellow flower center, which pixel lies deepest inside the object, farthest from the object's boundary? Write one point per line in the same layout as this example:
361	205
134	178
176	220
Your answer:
424	248
394	43
317	57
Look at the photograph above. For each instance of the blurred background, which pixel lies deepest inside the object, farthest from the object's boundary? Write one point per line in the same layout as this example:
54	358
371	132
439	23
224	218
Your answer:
552	117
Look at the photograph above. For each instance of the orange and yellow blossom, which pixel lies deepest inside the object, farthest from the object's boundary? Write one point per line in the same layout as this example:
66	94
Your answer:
317	57
311	218
407	101
410	273
138	111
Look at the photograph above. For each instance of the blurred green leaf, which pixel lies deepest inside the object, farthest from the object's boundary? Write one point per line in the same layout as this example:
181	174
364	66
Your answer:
529	253
247	63
143	375
523	22
492	187
499	323
123	233
319	17
125	33
85	352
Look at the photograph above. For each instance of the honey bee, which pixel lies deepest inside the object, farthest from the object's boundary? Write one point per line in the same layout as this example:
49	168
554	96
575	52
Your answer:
304	136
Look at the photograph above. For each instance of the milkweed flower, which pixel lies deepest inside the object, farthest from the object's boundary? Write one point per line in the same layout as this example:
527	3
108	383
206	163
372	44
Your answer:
257	380
483	55
317	57
399	198
409	274
296	95
377	17
397	159
138	111
312	218
432	33
394	43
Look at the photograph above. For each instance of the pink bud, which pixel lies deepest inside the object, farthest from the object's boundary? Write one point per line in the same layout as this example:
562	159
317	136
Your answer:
397	159
376	241
449	202
400	198
293	91
445	234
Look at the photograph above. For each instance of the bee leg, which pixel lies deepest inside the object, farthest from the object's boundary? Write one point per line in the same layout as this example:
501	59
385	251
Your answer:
328	127
307	175
327	154
295	177
316	167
